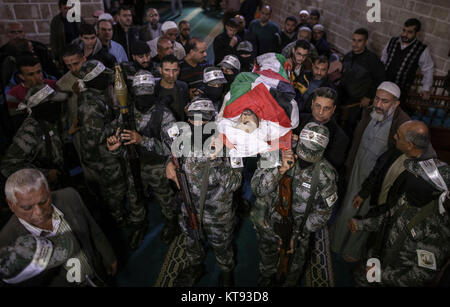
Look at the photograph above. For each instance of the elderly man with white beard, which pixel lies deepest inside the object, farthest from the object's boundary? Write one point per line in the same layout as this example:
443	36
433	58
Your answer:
372	137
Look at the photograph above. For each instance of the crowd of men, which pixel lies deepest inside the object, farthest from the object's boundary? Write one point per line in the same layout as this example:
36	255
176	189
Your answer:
358	164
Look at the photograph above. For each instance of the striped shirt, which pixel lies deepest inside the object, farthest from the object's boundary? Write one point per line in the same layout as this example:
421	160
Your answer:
193	76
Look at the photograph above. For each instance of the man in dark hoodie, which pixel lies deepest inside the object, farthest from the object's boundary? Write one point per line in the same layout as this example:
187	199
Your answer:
92	46
226	42
289	33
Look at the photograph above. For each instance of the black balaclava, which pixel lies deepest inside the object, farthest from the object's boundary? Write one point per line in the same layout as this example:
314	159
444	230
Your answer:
101	82
144	102
246	62
48	111
304	164
230	78
214	93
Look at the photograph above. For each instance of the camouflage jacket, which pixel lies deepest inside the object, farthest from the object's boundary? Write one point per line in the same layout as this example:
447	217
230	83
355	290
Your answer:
96	121
158	144
265	186
29	149
426	247
223	180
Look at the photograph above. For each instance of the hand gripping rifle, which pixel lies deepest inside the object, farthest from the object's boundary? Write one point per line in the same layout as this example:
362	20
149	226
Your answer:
192	222
120	88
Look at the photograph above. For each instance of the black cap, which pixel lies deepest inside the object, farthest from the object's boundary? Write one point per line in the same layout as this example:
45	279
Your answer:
232	22
140	47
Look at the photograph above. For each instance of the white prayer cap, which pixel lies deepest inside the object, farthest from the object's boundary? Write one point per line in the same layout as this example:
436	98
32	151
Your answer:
304	12
105	16
307	29
168	25
391	88
319	27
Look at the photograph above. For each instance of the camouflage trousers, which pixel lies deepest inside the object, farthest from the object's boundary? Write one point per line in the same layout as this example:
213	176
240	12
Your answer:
108	176
115	183
154	176
219	233
270	256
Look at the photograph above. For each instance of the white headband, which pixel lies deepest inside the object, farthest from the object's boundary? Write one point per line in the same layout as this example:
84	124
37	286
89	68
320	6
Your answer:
36	99
234	62
91	75
312	136
432	172
143	79
213	75
41	259
95	72
201	105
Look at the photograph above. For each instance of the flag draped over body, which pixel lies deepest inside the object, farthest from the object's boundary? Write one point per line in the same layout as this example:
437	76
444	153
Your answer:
267	93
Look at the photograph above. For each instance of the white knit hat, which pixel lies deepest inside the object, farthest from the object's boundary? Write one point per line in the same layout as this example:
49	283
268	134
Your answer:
319	27
168	25
391	88
105	16
304	12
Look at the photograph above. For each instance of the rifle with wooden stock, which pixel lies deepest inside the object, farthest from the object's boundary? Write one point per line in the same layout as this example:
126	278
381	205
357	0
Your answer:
284	228
192	222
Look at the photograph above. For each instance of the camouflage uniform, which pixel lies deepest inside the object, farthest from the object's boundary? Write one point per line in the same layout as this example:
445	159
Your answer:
265	183
154	148
218	215
95	119
29	148
425	249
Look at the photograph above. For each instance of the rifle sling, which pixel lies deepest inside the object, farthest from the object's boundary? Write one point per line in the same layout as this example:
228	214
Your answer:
417	219
309	205
203	190
48	143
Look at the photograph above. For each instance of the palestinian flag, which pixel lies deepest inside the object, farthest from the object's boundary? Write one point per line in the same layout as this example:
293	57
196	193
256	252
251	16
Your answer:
266	92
